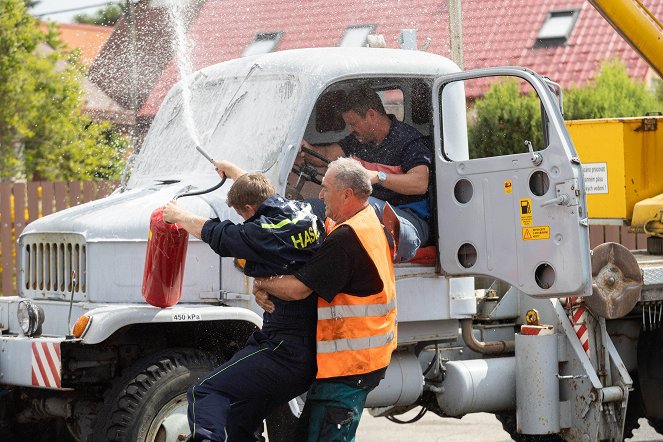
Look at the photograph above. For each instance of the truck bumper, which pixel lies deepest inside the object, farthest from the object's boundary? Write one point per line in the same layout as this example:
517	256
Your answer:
30	362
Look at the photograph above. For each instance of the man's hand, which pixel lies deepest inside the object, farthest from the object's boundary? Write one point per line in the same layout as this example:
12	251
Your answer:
329	151
307	145
226	168
262	299
172	213
193	224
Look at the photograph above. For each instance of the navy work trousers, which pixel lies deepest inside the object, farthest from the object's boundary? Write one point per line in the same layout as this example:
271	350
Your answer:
231	402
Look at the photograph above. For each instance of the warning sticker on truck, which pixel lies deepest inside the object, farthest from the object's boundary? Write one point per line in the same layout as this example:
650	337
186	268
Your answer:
536	232
526	211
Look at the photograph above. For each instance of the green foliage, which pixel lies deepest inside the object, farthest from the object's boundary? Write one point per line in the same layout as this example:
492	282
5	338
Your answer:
107	16
43	134
504	120
504	117
613	94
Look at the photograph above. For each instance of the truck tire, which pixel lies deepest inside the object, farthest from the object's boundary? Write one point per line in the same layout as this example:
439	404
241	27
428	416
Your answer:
508	422
149	400
634	409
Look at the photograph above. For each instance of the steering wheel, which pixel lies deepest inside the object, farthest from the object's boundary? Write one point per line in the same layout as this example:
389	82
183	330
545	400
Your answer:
305	172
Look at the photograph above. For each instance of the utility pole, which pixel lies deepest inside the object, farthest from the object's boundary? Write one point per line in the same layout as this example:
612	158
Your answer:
456	32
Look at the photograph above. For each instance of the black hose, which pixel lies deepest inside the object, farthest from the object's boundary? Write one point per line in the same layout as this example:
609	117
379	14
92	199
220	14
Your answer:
201	192
414	419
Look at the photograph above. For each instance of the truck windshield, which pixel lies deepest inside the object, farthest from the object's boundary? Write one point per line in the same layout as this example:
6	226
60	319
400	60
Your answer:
244	119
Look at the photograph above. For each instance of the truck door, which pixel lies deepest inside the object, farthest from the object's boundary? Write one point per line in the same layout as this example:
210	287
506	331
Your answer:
510	194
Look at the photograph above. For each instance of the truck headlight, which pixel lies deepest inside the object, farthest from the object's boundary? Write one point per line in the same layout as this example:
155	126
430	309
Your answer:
30	317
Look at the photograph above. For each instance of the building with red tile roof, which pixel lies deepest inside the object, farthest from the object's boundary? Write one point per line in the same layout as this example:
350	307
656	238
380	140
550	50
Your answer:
88	38
570	50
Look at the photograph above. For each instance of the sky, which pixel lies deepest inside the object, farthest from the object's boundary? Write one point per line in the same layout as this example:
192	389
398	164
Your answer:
50	7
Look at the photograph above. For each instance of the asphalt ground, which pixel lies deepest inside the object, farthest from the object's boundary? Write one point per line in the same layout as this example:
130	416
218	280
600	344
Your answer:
478	427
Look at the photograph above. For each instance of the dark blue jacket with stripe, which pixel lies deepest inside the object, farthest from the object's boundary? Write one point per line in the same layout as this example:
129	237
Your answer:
277	240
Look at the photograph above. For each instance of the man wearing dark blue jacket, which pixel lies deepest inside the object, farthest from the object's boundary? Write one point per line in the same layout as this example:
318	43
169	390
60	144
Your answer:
277	363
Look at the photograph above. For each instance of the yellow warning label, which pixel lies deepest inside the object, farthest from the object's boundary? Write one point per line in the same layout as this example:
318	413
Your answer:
536	233
508	186
526	211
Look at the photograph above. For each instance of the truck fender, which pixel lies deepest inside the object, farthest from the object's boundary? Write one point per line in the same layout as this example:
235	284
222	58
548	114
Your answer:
105	321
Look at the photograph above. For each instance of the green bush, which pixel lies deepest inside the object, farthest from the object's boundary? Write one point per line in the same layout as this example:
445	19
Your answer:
504	117
613	94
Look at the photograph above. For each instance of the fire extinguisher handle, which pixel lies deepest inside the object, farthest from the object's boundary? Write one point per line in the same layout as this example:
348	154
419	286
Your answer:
201	192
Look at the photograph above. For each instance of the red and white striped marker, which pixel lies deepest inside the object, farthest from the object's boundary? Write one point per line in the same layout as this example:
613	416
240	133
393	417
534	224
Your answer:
578	316
46	364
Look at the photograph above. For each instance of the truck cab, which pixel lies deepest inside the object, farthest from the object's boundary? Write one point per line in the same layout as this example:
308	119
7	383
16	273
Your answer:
511	245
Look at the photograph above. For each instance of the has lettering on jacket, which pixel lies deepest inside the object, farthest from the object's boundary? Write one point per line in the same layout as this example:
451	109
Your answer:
305	238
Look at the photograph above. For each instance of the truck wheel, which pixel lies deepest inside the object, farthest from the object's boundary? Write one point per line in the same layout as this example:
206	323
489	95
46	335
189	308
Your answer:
508	422
635	408
281	425
148	402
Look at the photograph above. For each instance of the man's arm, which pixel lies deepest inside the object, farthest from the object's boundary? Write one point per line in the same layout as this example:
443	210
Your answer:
329	151
193	224
285	287
414	182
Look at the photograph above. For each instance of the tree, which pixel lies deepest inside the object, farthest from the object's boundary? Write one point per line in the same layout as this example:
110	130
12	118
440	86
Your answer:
107	16
43	132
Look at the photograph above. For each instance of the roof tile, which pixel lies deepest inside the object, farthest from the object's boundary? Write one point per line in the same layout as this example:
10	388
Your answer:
495	32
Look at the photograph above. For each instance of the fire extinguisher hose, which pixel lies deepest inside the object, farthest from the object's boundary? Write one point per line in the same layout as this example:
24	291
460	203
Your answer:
201	192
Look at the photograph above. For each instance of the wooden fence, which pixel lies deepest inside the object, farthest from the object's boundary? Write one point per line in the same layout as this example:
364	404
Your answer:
21	203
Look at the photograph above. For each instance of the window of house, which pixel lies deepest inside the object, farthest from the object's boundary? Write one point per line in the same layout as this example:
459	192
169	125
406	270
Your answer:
356	35
263	43
557	28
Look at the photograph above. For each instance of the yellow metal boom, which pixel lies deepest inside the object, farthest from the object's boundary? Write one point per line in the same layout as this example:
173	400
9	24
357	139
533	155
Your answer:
638	26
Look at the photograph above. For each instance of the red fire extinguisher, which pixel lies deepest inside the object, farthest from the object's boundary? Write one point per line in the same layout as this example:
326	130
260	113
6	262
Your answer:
164	261
165	258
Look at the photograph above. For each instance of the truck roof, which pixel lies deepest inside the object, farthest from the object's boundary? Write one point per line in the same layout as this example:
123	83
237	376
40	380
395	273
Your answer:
326	64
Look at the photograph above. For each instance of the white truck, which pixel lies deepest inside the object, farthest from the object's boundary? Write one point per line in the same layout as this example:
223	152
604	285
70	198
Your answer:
492	321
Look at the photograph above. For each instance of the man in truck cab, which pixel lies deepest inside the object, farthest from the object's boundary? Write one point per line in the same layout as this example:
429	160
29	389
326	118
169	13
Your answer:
277	363
353	277
398	162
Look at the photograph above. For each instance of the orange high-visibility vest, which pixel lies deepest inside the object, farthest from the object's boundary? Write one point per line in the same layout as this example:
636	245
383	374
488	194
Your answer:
357	334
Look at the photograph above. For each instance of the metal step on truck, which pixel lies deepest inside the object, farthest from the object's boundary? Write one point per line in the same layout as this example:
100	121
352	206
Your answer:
506	312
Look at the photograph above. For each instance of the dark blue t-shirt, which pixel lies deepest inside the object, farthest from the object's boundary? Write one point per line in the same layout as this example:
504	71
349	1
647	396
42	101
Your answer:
402	149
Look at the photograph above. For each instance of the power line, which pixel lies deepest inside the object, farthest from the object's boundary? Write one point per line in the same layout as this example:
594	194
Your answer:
79	8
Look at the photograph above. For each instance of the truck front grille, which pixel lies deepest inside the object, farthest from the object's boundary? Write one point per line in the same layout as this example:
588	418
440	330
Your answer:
57	265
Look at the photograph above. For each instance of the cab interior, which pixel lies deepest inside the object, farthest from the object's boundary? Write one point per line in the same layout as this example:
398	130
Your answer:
408	98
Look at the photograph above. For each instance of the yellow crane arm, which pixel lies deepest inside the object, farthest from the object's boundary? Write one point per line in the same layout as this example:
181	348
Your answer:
633	21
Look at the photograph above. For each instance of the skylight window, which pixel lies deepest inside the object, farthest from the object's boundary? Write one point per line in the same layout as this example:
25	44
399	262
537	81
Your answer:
557	28
263	43
356	35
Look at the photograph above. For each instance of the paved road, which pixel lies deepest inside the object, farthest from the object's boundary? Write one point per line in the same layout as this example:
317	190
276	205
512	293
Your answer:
479	427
